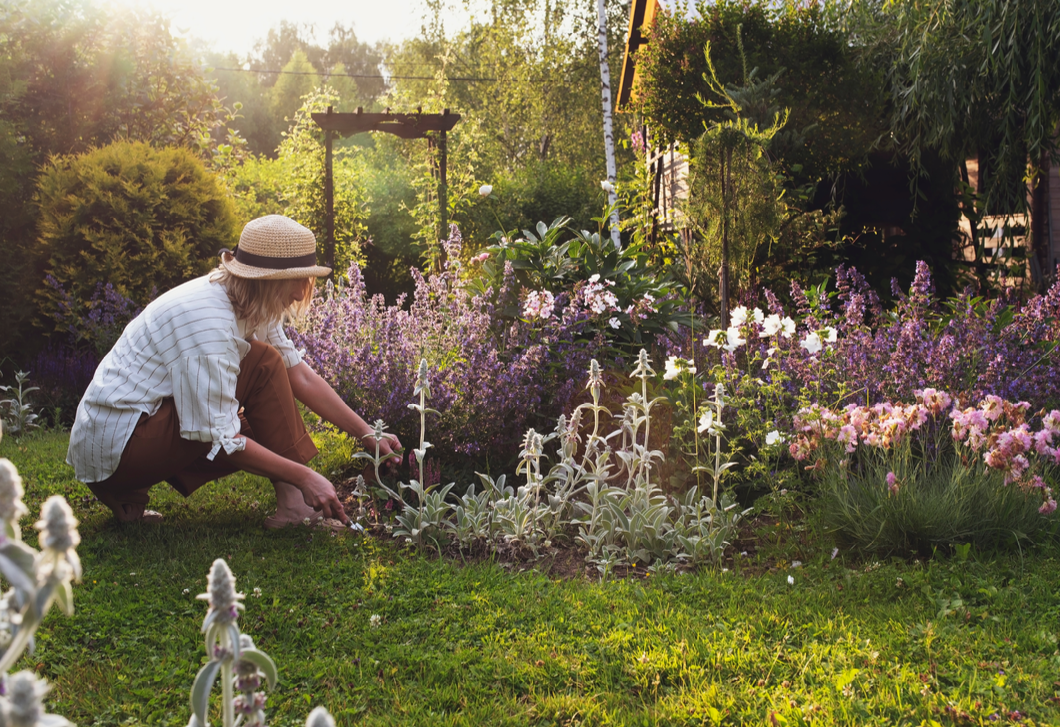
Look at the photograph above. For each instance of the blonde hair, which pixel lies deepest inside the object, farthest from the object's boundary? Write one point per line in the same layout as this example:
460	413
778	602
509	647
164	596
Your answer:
264	302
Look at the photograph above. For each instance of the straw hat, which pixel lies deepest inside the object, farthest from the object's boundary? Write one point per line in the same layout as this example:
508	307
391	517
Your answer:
274	247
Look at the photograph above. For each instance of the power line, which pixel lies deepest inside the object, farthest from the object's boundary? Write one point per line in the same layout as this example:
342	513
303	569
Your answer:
352	75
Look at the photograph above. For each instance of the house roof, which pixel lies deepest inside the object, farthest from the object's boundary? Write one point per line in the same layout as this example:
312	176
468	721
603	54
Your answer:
642	16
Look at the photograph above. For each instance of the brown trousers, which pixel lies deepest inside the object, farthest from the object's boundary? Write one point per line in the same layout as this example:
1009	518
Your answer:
156	452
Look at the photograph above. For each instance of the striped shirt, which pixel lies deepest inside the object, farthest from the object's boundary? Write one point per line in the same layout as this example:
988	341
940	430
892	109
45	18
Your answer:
187	344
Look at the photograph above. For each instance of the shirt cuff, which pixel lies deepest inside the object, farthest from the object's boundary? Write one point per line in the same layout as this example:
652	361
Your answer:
230	444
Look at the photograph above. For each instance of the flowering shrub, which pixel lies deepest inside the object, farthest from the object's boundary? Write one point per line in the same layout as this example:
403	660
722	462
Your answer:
369	352
100	320
61	374
842	347
901	477
594	288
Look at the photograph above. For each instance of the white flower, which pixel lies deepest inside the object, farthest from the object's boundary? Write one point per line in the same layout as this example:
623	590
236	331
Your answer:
485	190
675	366
757	316
791	580
539	304
614	323
796	563
375	620
835	552
773	437
739	316
787	327
607	186
770	326
829	335
708	424
812	343
257	592
733	339
715	338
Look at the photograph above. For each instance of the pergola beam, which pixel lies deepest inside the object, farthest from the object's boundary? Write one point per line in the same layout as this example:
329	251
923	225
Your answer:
404	126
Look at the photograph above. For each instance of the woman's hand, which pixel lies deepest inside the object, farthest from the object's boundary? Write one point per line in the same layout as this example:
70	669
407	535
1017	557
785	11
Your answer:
390	444
319	494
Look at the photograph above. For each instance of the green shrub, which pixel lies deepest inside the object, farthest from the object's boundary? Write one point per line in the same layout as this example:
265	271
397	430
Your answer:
139	218
537	191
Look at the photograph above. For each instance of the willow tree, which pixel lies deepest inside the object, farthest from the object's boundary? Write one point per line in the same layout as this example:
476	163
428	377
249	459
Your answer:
735	196
972	77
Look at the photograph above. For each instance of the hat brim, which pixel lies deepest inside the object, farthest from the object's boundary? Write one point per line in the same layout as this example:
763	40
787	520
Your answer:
250	272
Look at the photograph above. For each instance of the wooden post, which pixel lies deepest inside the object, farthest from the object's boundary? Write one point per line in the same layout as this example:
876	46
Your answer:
443	191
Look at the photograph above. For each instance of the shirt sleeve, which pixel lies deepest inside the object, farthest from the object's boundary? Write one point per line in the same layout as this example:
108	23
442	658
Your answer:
277	338
204	391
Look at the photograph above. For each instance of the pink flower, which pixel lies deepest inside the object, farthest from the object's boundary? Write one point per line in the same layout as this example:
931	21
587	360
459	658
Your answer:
892	483
1043	442
1047	507
992	407
847	435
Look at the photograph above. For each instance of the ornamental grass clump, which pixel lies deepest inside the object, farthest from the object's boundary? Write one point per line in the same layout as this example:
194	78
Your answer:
898	478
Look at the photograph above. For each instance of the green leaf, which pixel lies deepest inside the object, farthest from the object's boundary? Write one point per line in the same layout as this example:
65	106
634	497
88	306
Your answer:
264	662
200	690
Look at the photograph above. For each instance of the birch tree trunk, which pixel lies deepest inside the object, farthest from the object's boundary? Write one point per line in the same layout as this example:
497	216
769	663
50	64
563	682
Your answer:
609	137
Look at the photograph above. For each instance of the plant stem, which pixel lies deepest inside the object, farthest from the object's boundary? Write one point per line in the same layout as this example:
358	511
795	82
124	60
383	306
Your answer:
17	645
228	707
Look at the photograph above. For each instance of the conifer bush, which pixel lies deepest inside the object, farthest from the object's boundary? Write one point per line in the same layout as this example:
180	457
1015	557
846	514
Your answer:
139	218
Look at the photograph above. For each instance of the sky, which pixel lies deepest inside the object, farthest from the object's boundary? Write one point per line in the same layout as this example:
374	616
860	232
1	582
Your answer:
235	25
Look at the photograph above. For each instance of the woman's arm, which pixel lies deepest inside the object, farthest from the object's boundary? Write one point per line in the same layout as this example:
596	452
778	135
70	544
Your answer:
310	389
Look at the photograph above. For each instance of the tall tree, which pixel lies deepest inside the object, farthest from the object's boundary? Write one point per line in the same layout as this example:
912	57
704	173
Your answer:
298	79
609	137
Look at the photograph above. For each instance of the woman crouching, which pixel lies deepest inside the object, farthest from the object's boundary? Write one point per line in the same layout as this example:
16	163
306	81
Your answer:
203	383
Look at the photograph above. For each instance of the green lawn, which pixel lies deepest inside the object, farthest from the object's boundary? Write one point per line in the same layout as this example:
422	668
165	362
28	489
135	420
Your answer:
849	643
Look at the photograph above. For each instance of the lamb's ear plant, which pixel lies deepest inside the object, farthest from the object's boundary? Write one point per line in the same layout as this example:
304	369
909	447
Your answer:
16	413
427	519
232	658
38	579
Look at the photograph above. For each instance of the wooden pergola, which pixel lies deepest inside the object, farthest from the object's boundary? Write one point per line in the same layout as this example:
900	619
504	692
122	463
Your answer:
405	126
